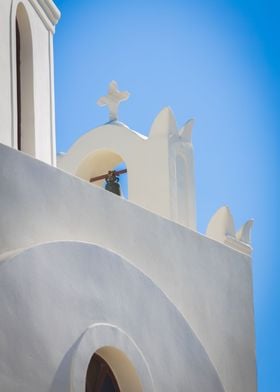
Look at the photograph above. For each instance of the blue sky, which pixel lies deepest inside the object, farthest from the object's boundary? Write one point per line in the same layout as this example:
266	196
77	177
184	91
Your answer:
217	61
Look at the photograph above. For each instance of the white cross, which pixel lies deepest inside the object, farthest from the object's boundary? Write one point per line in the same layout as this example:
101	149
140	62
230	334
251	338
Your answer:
113	99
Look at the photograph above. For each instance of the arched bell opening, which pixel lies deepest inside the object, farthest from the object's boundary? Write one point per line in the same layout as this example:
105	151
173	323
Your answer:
106	169
110	370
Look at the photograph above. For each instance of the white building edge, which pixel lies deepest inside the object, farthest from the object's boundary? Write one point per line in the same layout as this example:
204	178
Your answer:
83	271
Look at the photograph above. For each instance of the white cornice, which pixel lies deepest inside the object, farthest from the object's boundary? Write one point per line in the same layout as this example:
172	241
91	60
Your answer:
47	11
238	245
51	10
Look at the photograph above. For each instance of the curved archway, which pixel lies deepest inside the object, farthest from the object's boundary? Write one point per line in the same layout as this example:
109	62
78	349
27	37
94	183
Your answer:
188	360
99	163
100	376
25	92
110	368
119	351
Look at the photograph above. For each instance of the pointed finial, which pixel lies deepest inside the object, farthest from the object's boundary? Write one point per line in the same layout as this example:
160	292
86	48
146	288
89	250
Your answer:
113	99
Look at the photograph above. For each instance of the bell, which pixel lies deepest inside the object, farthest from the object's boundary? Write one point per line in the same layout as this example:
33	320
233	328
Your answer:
112	183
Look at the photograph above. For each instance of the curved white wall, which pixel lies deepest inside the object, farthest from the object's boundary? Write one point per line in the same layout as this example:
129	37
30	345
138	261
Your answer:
208	282
52	293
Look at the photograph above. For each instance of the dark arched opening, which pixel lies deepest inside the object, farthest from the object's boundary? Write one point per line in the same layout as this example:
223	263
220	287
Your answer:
24	79
18	87
100	377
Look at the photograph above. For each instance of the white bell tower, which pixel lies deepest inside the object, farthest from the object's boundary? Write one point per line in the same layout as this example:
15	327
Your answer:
160	167
26	77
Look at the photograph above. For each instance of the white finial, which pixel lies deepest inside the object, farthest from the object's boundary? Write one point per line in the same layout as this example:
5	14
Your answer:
113	99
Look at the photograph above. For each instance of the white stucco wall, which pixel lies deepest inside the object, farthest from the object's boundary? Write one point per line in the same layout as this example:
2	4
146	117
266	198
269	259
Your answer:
42	17
56	295
209	283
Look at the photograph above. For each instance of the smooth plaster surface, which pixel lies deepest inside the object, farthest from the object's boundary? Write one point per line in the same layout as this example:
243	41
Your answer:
209	283
82	270
53	292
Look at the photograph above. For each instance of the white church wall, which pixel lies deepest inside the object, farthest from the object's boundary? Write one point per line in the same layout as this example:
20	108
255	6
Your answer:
37	104
181	171
64	301
208	282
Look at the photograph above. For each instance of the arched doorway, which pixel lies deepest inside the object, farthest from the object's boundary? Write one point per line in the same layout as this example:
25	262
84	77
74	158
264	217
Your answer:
100	377
110	370
121	354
